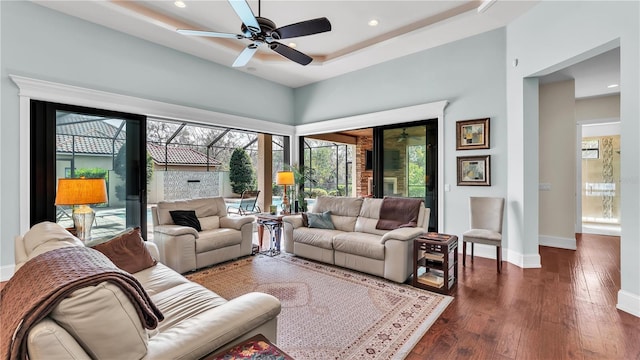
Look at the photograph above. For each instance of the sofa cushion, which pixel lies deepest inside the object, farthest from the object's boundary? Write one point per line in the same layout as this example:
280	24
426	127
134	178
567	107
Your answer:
183	301
217	239
158	278
344	210
185	218
368	218
363	244
203	207
99	317
46	236
127	251
210	222
320	221
316	237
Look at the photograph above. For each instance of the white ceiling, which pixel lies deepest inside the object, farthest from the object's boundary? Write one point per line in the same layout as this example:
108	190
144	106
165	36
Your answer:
592	76
405	27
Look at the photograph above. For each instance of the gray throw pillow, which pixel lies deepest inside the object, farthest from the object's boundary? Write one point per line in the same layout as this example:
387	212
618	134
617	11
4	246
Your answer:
320	221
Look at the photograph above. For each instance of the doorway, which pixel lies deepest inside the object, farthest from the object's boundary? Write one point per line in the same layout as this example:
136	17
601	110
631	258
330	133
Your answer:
405	163
599	172
78	142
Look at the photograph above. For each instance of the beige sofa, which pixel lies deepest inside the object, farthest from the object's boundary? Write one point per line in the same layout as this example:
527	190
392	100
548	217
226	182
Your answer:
356	243
100	322
184	249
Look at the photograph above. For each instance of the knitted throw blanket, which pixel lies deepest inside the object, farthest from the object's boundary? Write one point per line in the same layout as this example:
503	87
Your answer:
396	212
47	279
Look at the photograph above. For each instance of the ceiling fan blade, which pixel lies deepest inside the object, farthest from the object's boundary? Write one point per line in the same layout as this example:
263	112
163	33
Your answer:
245	55
245	14
304	28
209	34
290	53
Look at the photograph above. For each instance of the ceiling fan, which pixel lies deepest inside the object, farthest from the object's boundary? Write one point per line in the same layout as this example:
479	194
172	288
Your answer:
404	136
263	31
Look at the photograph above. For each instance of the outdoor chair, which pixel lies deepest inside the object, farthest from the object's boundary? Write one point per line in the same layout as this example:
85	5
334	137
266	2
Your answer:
247	204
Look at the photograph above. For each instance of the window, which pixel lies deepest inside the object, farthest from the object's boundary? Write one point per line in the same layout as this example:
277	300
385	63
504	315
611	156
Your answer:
590	149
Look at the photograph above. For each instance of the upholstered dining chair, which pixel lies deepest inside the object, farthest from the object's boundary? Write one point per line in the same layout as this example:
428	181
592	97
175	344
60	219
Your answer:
485	217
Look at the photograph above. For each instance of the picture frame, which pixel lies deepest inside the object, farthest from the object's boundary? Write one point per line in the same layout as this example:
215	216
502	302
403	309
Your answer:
474	170
472	134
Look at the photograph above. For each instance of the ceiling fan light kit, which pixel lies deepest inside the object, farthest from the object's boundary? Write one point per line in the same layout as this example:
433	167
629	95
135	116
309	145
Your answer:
264	31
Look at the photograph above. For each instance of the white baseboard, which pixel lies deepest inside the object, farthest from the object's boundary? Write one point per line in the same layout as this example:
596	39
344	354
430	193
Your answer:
557	242
629	302
6	272
518	259
531	261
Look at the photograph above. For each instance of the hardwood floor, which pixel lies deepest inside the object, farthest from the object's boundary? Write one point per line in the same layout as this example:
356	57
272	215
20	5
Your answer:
565	310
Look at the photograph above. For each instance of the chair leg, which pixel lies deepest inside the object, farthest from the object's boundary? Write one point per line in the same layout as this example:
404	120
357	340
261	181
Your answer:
499	256
464	253
472	252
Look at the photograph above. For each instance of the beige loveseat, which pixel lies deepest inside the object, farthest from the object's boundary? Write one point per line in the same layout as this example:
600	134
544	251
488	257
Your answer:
99	322
184	249
356	243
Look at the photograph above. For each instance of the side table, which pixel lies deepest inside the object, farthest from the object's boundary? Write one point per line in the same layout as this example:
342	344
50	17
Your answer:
273	223
435	262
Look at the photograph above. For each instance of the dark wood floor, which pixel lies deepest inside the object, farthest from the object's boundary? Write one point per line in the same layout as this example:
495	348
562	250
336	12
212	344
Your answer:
565	310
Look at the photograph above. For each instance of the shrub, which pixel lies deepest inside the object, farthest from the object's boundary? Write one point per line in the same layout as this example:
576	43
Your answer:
241	172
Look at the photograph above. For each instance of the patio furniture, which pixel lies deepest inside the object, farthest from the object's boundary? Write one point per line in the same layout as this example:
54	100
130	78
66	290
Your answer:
247	204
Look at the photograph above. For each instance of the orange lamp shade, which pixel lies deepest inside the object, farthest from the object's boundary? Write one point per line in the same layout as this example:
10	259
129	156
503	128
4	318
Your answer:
285	178
81	191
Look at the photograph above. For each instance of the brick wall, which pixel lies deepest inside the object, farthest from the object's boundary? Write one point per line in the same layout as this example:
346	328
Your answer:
363	143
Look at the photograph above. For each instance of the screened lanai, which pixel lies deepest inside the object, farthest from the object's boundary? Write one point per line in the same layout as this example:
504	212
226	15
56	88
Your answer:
183	160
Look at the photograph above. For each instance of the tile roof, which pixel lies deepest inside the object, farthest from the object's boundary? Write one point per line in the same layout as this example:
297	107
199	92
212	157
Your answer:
96	138
179	155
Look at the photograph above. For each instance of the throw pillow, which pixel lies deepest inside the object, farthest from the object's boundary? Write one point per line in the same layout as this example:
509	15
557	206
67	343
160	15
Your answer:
305	219
320	221
186	218
127	251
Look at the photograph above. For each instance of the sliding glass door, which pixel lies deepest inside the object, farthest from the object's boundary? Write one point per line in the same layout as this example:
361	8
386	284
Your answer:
405	163
71	142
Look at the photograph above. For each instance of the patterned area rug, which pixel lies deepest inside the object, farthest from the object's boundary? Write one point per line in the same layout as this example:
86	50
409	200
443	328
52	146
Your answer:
329	312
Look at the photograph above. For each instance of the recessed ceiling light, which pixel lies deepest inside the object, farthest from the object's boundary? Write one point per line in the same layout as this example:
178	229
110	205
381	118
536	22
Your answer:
373	22
180	4
613	86
292	45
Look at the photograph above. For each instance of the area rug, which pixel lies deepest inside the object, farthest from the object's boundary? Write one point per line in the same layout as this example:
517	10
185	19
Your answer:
329	312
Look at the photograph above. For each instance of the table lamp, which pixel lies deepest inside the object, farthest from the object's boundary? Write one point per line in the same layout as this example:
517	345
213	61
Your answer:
79	193
285	178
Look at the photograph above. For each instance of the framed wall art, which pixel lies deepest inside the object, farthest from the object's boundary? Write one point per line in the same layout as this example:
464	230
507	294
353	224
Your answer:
472	134
474	170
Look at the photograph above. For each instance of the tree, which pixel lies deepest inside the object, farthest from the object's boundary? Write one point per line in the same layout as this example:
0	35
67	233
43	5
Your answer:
241	172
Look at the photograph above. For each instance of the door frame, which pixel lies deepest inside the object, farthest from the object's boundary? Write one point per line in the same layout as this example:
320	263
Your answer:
579	127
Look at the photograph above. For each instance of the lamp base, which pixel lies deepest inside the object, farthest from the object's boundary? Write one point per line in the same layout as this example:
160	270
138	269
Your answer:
286	207
83	217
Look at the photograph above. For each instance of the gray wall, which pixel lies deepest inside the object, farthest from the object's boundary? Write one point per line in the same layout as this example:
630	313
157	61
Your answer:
549	37
469	73
558	161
